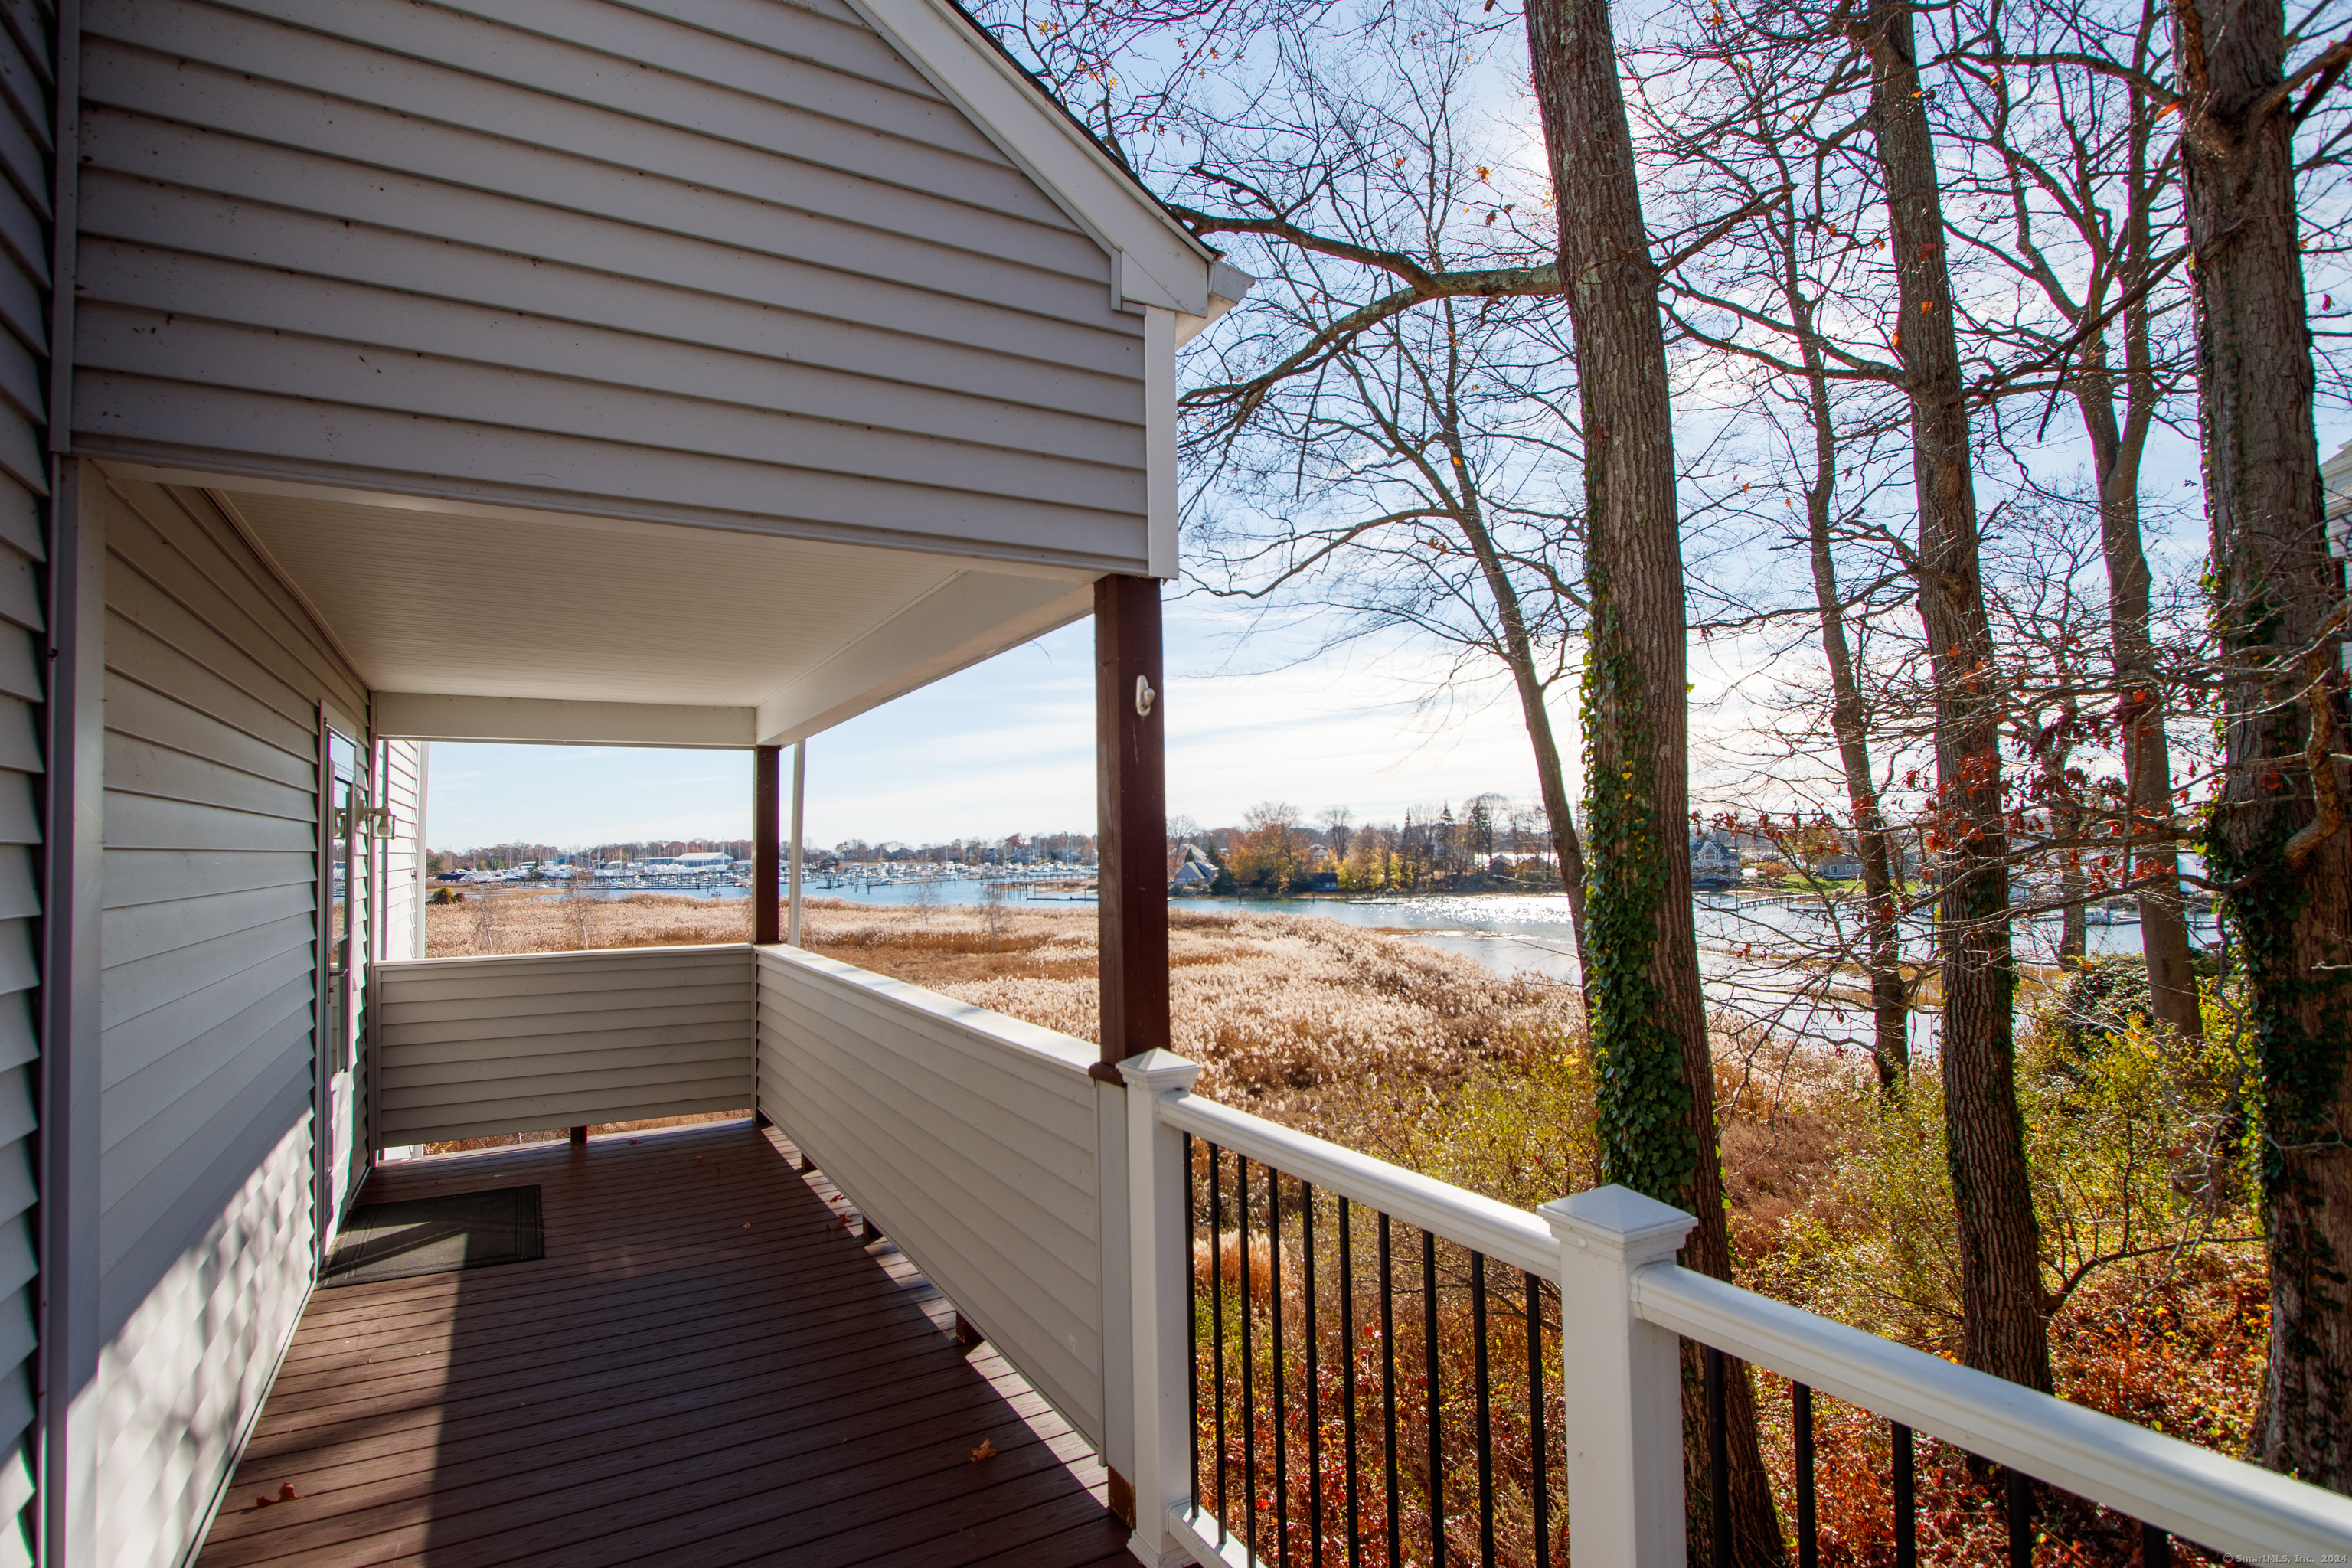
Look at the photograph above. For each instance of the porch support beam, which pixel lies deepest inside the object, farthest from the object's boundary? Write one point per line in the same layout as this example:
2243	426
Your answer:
799	798
1130	844
767	844
556	720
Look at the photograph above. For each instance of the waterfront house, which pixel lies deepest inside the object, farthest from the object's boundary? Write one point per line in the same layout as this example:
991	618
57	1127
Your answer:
796	352
818	330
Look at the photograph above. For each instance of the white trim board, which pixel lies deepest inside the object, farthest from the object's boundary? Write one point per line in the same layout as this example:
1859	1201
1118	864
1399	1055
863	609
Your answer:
558	722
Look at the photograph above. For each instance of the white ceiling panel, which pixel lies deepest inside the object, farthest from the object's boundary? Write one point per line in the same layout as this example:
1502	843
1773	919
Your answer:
505	604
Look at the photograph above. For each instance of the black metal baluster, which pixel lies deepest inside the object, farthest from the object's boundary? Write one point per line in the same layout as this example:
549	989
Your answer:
1436	1400
1249	1362
1281	1409
1809	1545
2155	1548
1314	1383
1217	1318
1541	1490
1348	1339
1906	1501
2020	1488
1191	1333
1486	1411
1719	1460
1388	1392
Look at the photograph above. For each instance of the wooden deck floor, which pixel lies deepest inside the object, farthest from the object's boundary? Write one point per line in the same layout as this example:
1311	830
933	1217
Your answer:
705	1369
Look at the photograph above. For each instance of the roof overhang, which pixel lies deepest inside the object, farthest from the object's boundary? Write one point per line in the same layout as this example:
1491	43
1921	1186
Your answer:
492	623
1156	262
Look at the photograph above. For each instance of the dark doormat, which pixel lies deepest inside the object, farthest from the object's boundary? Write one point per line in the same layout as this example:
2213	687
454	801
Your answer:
437	1236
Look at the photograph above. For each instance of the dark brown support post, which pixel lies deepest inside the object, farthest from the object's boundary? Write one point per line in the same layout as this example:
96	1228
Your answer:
1131	838
580	1137
767	844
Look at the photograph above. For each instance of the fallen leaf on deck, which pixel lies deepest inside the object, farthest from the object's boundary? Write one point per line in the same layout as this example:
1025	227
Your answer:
987	1450
285	1491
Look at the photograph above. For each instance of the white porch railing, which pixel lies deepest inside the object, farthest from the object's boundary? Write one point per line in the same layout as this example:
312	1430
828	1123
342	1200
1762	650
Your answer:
1624	1305
1058	1212
980	1145
465	1047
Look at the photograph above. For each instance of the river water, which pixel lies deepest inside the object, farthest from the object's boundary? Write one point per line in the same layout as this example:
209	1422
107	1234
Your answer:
1744	953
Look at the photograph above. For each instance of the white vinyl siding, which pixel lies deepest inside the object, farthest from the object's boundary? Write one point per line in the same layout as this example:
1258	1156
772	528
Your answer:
25	208
471	1046
21	648
740	263
213	680
401	792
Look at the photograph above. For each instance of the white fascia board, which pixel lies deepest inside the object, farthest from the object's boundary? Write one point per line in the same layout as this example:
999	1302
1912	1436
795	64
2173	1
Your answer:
1159	487
1156	262
1227	285
972	616
548	720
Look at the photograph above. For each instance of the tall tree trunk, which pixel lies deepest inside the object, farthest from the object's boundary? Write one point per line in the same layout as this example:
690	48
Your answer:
1647	1017
1890	996
2006	1328
2116	450
2277	833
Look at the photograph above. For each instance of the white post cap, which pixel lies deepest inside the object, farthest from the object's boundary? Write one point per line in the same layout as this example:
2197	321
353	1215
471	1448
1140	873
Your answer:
1619	1223
1160	1072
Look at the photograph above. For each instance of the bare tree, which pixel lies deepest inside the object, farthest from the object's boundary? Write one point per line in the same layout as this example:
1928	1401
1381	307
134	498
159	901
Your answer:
1404	465
1650	1047
2007	1331
2071	192
2276	838
1752	142
579	900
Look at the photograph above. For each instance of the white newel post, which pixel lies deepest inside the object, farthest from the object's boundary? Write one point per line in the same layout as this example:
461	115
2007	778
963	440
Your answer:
1621	1378
1157	1190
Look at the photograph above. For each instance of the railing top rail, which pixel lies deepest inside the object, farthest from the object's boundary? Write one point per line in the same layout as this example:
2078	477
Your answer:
563	955
2197	1494
997	1028
1496	1230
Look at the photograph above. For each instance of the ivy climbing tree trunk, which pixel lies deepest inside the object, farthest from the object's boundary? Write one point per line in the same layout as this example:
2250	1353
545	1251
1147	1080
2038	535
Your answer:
2276	835
2006	1327
1648	1020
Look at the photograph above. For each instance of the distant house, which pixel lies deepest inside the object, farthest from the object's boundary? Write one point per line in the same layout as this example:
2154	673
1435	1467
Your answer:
2336	480
1714	862
1195	872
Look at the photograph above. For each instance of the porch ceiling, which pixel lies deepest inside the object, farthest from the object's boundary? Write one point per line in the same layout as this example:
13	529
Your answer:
768	638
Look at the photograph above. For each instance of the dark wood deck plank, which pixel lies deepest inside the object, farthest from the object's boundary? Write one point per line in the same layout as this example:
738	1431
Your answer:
664	1387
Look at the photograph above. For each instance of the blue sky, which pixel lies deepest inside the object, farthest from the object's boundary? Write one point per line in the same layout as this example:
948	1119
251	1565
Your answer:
1008	746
